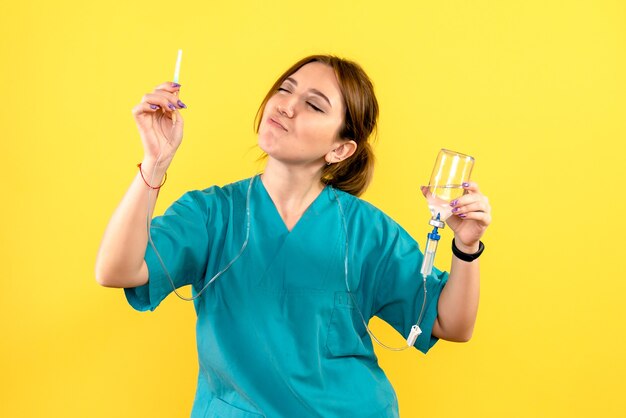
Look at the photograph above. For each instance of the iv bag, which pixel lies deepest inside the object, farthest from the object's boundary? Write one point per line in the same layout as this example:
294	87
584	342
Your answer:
451	170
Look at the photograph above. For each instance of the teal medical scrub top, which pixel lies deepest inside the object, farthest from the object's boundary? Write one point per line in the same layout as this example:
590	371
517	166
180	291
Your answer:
278	334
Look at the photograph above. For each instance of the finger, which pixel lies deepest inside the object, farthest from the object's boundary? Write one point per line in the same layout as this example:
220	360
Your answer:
171	97
145	107
179	118
479	206
467	199
168	86
178	104
471	187
481	217
167	101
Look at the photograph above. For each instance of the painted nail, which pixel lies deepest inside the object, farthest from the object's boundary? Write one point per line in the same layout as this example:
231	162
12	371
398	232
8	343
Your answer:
454	202
465	184
175	85
463	215
154	107
181	104
455	210
171	106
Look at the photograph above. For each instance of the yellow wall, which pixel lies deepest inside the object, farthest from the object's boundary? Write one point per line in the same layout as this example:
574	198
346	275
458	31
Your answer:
534	90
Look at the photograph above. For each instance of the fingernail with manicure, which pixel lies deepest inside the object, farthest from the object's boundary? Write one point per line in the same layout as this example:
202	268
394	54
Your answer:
181	104
454	202
154	107
175	85
465	184
171	106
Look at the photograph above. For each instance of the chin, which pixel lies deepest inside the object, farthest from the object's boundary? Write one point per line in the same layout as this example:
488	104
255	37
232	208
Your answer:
268	142
263	143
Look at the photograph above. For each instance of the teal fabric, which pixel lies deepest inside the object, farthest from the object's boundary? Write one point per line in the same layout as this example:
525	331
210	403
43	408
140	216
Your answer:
278	334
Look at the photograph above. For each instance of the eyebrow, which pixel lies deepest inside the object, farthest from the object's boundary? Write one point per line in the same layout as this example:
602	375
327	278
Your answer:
314	91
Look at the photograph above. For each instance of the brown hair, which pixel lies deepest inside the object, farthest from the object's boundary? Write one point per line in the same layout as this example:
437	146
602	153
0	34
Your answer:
353	174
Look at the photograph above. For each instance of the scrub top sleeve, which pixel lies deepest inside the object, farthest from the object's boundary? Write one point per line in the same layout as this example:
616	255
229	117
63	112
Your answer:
182	240
400	290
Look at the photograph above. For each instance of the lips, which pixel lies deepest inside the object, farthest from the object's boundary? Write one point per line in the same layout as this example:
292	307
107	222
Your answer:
275	122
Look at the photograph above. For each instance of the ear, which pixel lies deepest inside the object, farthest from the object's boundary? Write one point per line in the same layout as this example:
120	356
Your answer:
342	151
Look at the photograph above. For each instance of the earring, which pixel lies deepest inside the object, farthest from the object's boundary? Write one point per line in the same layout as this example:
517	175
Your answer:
328	163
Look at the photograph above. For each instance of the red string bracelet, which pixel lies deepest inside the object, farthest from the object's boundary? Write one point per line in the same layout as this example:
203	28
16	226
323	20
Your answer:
144	179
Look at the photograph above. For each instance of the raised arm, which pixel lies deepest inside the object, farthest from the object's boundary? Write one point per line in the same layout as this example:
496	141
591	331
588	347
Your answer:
458	303
120	261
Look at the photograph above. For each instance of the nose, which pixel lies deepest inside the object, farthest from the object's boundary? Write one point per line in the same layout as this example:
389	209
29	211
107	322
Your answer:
286	107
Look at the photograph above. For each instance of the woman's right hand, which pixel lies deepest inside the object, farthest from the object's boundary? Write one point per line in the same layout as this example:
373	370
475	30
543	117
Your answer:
159	135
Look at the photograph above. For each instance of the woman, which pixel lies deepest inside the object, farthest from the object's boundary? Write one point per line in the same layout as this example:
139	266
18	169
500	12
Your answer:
279	330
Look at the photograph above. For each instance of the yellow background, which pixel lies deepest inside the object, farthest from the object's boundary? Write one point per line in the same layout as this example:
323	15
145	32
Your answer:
534	90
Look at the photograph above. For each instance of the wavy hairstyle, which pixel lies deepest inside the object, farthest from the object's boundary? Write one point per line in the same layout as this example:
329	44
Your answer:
353	174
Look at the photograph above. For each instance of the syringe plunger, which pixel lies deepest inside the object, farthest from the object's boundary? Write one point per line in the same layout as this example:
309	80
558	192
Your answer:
430	251
429	257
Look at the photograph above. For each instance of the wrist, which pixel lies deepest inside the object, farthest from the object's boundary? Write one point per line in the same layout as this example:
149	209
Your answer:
153	175
467	249
150	165
467	256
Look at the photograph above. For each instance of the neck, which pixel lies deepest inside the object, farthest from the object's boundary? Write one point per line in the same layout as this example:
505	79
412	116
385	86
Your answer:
292	188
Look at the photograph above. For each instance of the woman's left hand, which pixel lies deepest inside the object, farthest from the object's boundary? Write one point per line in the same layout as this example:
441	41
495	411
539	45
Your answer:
471	215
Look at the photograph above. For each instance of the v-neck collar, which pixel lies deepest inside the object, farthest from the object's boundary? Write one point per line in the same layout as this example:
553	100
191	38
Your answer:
275	214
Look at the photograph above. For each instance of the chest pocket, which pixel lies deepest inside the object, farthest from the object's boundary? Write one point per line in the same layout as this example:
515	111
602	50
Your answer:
346	331
220	409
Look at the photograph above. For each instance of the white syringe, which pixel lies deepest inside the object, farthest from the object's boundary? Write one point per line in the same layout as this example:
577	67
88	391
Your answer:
176	77
431	246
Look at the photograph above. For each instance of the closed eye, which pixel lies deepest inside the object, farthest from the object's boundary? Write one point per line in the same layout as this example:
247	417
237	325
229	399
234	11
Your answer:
314	107
317	109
